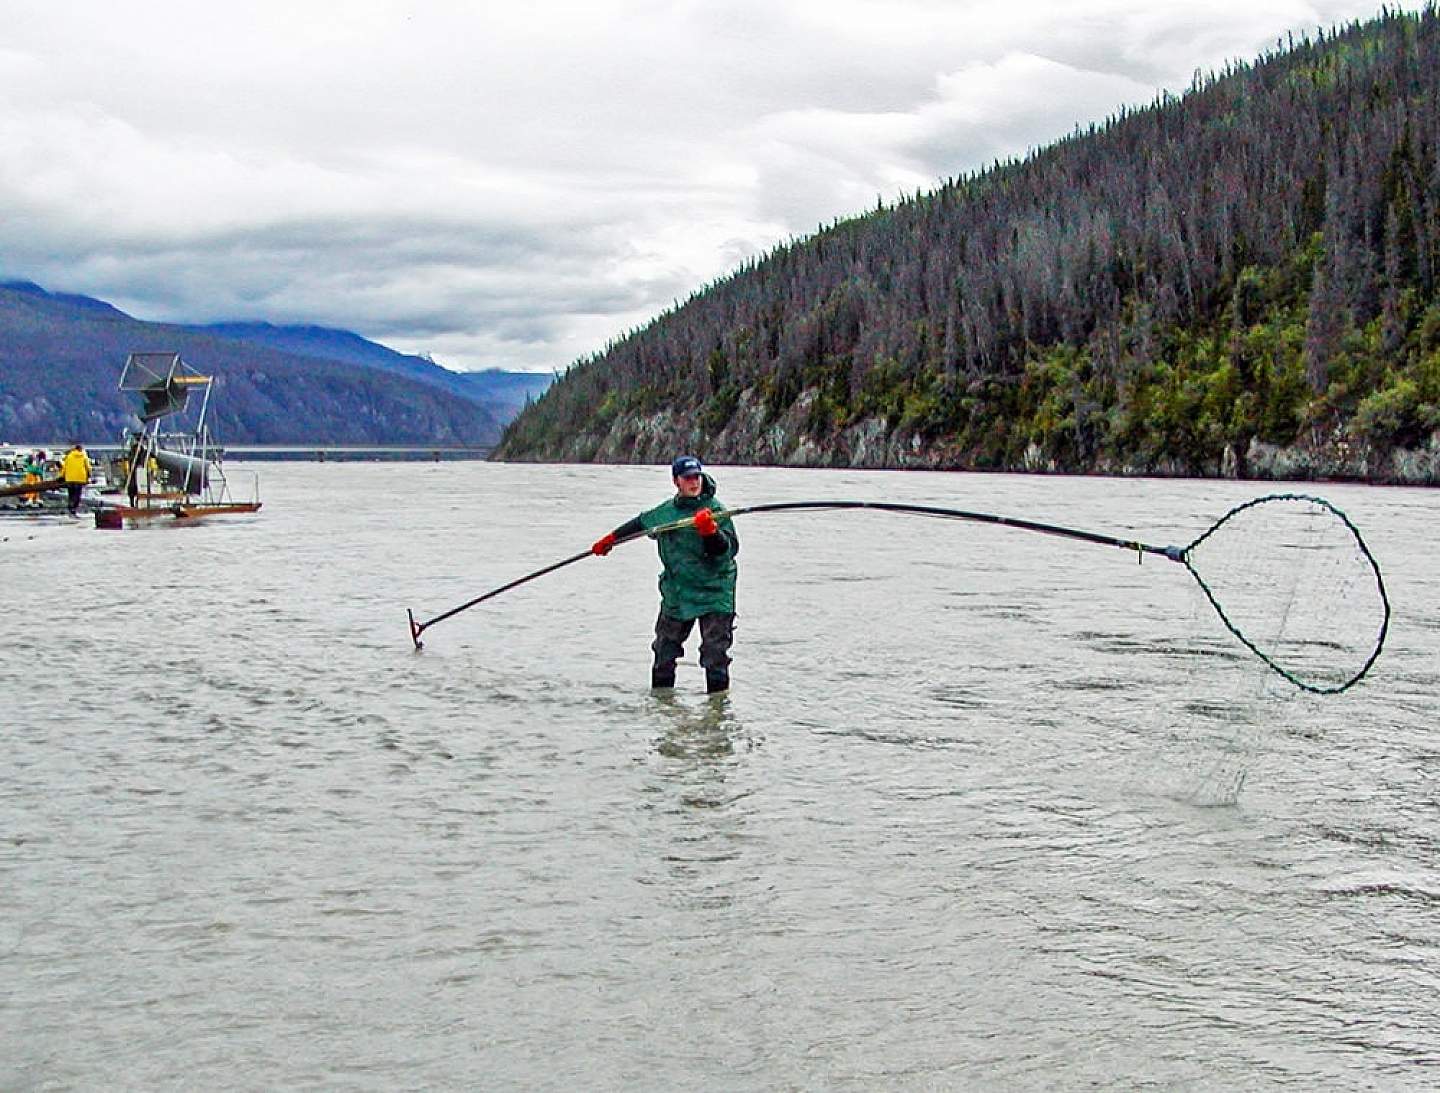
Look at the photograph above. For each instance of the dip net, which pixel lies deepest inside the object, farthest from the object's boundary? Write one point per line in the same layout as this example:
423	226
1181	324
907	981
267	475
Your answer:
1290	577
1287	606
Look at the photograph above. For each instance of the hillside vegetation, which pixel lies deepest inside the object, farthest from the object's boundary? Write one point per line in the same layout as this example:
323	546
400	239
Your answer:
1188	288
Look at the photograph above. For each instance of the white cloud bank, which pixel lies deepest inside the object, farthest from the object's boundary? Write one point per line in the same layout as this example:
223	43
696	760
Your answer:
507	185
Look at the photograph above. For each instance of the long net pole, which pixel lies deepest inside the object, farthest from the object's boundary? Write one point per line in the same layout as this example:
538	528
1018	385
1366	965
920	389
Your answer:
1181	555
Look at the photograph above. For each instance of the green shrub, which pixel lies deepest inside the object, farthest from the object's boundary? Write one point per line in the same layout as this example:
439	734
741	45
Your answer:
1390	415
719	409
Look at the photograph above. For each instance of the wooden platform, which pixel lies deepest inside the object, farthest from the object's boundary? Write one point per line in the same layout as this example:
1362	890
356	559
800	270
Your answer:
182	511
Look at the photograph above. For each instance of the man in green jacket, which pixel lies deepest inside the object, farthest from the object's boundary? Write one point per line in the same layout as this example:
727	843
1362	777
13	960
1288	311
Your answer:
698	581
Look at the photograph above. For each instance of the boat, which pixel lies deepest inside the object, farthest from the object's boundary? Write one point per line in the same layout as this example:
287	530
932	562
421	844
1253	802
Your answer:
174	473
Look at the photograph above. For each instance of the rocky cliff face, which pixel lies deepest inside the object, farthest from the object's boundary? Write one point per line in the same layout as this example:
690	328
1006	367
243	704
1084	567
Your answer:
750	440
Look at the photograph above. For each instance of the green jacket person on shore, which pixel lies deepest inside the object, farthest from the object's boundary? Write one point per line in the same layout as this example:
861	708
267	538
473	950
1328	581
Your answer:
697	582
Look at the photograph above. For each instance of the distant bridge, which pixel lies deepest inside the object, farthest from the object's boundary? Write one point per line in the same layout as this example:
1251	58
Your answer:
320	453
316	452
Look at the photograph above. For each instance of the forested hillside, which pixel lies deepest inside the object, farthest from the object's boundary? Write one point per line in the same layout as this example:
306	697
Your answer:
60	361
1189	288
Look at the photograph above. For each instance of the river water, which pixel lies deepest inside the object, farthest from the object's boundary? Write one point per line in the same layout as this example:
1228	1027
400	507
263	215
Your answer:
977	813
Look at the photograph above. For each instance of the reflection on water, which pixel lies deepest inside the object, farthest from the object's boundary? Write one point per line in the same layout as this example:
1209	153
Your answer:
698	729
979	811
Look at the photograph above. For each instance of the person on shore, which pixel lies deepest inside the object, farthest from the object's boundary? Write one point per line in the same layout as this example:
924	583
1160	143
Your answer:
141	462
697	582
34	473
75	470
132	476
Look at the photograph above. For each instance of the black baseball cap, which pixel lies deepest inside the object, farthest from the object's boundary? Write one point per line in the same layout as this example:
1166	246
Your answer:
684	466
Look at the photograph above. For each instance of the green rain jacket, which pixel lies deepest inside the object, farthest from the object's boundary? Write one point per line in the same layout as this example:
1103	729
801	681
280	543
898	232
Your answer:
694	582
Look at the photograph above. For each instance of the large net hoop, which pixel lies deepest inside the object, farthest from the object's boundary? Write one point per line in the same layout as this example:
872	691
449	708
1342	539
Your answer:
1291	577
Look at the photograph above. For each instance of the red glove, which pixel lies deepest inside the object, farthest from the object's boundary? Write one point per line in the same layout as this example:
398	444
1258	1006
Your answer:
705	524
604	546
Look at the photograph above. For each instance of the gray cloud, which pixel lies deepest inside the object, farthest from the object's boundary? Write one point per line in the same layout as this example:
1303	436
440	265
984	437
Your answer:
507	185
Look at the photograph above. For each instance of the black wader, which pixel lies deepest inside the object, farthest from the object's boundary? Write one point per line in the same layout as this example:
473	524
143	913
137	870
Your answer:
717	632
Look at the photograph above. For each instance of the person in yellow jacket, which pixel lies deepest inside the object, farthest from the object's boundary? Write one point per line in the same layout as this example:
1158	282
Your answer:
75	470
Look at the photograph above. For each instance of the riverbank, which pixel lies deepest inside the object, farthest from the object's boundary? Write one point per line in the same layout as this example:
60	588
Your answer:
870	444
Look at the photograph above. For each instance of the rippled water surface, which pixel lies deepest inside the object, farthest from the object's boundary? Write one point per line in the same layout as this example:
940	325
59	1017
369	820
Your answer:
984	810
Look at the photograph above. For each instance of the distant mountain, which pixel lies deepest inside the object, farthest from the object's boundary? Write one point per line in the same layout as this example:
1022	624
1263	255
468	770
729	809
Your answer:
507	393
503	394
86	303
61	355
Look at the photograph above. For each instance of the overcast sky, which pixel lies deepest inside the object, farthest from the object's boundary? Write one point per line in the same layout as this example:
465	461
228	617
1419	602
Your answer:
511	185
